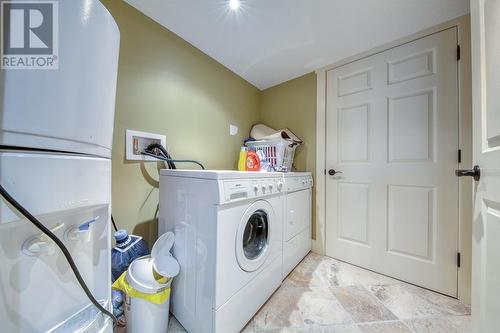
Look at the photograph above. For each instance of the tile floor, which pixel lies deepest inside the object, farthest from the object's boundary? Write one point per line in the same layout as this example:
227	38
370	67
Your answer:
323	295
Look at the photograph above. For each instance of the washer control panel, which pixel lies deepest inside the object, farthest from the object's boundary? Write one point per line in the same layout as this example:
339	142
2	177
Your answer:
245	189
265	187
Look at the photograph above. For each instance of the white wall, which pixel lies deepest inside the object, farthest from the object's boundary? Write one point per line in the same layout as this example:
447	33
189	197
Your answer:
269	42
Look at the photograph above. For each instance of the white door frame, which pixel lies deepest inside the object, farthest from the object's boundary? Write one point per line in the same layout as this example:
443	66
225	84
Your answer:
465	141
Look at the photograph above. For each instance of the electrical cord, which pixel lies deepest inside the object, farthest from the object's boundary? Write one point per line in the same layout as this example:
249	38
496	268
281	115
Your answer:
114	224
148	153
61	246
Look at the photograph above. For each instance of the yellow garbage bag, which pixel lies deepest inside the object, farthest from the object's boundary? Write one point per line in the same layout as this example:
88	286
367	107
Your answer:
158	298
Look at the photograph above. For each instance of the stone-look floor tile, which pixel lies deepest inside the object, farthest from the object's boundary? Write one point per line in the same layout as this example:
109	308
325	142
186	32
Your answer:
280	311
365	295
431	325
320	307
368	278
316	271
362	305
323	295
299	308
337	329
250	327
311	272
340	274
463	324
448	305
277	330
404	302
385	327
351	328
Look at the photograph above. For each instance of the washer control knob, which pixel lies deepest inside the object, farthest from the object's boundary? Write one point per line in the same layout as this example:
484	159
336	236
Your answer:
280	186
256	188
263	188
271	187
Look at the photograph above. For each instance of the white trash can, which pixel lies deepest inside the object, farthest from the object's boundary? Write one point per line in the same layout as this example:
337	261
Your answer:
143	315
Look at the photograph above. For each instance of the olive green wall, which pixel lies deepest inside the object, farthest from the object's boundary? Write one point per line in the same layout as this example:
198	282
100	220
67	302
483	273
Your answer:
167	86
293	104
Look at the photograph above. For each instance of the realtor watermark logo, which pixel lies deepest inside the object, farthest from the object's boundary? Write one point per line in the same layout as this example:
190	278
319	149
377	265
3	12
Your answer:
29	34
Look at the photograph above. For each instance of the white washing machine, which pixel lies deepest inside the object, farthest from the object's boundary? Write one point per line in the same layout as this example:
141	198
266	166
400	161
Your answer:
229	243
298	215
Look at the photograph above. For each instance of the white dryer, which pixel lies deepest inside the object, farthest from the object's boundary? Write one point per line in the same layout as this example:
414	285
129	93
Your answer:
298	215
229	243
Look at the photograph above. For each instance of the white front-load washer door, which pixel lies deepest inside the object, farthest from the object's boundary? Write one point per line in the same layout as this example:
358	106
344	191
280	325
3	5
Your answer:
254	236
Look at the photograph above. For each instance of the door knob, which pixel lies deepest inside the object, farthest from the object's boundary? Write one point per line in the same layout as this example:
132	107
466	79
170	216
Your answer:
332	172
474	173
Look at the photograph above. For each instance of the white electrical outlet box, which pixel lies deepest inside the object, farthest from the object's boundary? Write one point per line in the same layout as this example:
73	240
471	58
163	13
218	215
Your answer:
136	142
233	130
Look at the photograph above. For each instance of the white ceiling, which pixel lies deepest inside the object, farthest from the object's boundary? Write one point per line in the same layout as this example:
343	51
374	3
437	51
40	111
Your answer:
271	41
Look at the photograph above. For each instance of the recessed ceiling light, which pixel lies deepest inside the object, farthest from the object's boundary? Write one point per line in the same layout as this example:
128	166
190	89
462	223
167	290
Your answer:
234	4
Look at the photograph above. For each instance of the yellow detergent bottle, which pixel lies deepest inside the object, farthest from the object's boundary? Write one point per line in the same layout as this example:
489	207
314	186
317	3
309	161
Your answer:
243	159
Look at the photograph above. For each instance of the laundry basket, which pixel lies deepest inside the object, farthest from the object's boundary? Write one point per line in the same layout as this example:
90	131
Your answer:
275	155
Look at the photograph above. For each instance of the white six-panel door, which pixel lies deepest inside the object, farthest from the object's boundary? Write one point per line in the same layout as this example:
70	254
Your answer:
485	27
392	130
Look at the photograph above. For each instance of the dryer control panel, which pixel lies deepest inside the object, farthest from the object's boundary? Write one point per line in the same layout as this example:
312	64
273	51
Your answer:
298	183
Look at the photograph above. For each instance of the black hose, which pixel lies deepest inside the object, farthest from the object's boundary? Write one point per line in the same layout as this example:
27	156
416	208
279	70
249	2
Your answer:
150	151
166	159
61	246
114	224
164	152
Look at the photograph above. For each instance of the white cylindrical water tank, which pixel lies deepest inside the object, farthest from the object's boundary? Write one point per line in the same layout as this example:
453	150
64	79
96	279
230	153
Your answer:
70	108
